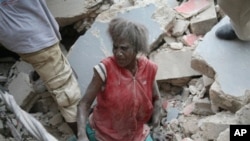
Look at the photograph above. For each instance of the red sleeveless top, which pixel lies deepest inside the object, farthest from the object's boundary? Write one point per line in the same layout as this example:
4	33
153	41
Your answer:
125	104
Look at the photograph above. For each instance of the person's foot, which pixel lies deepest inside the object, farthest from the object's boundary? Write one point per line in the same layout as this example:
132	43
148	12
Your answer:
226	32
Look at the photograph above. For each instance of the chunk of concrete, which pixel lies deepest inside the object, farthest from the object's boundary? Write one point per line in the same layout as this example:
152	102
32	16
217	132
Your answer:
228	59
20	87
180	27
244	114
219	99
190	40
204	21
202	106
165	16
173	64
95	45
67	12
224	136
212	126
192	7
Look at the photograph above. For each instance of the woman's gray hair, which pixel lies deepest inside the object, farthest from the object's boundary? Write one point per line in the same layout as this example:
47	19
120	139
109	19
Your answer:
135	33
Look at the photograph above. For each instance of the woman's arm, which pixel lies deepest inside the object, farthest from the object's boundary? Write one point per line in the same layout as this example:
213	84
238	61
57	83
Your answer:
84	106
156	117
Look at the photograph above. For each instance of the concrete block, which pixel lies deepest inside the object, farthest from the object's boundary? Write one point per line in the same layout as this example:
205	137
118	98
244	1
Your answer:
202	106
192	7
244	114
68	12
190	40
219	99
224	136
173	64
212	126
203	22
20	88
228	59
180	26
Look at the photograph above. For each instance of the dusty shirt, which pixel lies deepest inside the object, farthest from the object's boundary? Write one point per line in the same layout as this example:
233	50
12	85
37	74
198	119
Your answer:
125	105
27	26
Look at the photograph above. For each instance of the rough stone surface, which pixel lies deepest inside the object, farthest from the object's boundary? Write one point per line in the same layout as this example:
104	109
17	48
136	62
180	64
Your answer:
203	22
244	114
219	99
173	64
23	90
212	126
227	59
224	136
192	7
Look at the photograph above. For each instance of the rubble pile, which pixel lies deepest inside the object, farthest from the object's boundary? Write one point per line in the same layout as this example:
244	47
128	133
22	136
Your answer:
196	106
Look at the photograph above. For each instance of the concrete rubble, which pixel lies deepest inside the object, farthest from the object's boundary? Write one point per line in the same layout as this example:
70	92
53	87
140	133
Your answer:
196	71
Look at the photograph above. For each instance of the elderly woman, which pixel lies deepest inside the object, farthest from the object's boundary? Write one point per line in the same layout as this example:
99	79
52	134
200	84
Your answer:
125	87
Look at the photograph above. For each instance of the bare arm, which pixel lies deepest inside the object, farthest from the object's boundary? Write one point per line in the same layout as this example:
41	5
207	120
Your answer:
85	104
157	106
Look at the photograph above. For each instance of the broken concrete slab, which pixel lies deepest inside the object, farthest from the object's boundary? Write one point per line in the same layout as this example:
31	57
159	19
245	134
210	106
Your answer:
228	59
224	136
95	45
219	99
192	7
212	126
190	40
22	91
165	16
70	11
204	21
244	114
173	64
180	26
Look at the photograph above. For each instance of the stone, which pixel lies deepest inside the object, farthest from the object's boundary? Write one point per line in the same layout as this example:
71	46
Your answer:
212	126
173	64
21	88
190	40
180	26
56	120
222	100
224	135
226	59
68	12
244	114
189	124
192	7
202	106
204	21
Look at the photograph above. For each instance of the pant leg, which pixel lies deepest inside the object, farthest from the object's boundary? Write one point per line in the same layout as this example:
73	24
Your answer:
57	75
239	13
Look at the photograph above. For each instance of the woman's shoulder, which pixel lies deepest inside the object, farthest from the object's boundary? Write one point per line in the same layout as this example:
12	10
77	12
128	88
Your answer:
145	61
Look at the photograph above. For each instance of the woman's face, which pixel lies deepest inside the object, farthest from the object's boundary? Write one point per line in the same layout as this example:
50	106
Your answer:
124	54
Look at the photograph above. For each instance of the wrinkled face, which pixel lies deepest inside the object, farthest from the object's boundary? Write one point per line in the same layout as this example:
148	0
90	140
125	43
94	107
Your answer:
124	54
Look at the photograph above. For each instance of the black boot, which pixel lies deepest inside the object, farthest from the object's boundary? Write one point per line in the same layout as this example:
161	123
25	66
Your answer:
226	32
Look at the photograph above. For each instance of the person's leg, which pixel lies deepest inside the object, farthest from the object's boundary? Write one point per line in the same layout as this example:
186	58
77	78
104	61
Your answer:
57	75
239	14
